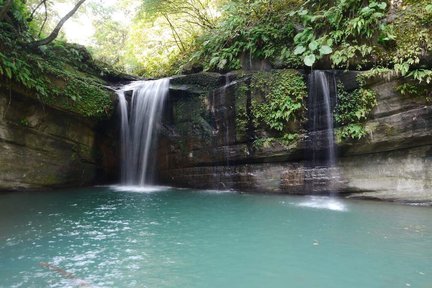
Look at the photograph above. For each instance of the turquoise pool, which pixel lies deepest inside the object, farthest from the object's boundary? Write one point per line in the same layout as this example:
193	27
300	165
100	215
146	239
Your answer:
162	237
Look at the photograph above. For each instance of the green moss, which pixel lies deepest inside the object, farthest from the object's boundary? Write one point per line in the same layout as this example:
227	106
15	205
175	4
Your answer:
60	74
191	117
204	80
87	97
286	140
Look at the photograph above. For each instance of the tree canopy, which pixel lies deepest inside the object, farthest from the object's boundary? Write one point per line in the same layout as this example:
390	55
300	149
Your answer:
154	38
173	36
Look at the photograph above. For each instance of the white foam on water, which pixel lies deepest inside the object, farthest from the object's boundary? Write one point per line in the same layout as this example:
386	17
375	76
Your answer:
138	189
324	203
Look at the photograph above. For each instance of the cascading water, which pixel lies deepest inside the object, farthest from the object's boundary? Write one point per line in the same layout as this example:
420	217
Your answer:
140	117
321	143
321	106
221	109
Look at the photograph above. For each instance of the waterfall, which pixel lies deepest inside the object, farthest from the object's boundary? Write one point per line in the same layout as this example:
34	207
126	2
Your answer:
140	116
221	108
322	85
322	175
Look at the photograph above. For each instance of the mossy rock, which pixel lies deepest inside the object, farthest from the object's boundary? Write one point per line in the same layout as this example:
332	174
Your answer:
207	80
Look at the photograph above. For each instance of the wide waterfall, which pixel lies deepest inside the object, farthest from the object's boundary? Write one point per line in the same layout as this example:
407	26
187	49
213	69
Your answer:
140	116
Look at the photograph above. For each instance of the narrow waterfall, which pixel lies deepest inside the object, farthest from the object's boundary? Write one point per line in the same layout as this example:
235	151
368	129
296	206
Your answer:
322	85
323	175
140	116
222	110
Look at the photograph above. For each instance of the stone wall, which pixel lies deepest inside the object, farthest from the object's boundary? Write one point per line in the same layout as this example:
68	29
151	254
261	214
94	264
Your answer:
42	147
203	147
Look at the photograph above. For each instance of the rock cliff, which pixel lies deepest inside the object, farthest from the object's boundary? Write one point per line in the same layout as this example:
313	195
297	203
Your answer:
208	143
47	146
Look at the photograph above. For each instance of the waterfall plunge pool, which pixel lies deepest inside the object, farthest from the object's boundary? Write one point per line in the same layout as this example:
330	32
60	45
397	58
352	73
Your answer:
111	237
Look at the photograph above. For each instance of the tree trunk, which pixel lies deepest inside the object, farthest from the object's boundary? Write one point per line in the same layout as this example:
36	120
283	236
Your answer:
5	9
175	34
57	29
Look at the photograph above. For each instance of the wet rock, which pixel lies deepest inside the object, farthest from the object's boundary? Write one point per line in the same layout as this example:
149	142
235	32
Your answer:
41	147
209	148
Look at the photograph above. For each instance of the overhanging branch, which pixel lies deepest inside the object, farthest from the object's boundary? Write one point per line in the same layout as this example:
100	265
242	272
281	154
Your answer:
57	29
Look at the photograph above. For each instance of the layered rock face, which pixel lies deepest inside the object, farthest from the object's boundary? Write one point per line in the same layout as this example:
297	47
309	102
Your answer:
43	147
206	143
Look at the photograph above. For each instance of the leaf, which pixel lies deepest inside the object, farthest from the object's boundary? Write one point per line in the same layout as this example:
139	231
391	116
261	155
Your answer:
365	10
222	63
299	50
325	50
8	72
303	12
214	60
359	114
313	45
309	60
377	15
382	5
298	37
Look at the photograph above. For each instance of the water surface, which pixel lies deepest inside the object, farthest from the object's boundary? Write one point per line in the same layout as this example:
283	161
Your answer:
102	237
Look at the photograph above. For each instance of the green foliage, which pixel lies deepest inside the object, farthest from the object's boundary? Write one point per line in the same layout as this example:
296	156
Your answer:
159	38
354	106
346	33
351	131
421	75
412	29
169	37
110	38
414	89
283	97
24	122
267	142
60	74
343	56
352	109
288	31
255	29
82	93
328	28
279	107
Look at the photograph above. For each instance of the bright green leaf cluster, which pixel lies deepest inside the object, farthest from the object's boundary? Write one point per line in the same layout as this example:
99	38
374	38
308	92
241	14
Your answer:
279	103
352	110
